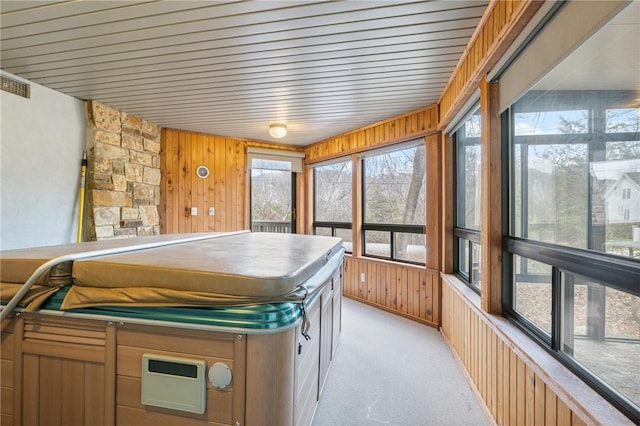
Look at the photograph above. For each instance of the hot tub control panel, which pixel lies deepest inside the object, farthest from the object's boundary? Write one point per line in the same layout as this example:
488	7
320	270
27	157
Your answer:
175	383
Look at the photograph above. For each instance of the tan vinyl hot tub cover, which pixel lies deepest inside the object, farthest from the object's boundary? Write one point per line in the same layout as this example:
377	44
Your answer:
16	266
248	264
231	266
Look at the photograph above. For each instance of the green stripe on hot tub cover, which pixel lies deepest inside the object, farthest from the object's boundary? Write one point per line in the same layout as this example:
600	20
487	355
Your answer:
271	316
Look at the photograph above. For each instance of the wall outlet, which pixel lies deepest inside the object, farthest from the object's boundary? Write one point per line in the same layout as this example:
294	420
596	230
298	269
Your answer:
361	277
194	211
212	211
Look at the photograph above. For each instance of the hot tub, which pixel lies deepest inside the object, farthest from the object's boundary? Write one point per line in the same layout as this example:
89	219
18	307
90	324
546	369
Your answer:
226	328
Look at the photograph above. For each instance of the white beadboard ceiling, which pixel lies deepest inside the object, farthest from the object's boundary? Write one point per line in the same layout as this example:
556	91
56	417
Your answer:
235	67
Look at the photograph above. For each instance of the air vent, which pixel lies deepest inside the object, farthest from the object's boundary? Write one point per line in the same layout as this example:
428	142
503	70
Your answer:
16	87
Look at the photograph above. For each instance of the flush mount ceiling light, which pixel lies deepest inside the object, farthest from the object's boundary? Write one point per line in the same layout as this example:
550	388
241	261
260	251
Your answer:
278	130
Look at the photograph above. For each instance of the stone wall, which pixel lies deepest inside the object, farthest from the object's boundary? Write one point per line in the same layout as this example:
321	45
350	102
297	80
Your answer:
123	175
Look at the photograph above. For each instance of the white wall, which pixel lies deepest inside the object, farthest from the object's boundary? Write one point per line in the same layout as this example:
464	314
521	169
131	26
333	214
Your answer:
41	144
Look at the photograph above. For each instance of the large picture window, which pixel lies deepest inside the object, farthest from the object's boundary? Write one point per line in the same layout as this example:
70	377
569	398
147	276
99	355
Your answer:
468	201
572	261
332	201
394	203
572	187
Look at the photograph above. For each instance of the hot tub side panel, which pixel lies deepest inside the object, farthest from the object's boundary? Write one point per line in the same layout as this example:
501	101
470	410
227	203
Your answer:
308	368
270	379
57	371
7	369
70	371
223	406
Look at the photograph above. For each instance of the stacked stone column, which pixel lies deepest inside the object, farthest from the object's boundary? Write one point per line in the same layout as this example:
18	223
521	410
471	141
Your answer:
123	176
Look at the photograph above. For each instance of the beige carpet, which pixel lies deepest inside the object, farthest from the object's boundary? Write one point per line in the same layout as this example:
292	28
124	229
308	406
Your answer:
392	371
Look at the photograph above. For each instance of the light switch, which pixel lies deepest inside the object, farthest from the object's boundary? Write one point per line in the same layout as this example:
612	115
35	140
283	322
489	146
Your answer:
194	211
212	211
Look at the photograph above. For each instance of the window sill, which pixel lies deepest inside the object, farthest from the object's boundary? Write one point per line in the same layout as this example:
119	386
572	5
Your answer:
390	262
586	403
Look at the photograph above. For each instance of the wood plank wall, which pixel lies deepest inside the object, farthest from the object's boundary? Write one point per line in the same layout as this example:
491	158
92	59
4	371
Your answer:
226	189
508	384
407	290
401	128
505	366
500	25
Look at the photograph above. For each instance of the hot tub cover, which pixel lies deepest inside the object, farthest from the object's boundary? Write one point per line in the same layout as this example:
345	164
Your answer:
230	269
16	266
248	264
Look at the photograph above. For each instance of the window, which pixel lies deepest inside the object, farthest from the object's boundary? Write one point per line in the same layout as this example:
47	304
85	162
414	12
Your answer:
332	201
572	247
272	201
273	189
394	206
468	201
573	188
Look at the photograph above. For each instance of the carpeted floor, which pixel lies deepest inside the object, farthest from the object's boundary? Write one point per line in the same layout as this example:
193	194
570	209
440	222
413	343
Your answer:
392	371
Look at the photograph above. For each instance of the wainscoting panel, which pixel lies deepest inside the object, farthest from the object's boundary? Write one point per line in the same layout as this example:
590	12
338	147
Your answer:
407	290
517	386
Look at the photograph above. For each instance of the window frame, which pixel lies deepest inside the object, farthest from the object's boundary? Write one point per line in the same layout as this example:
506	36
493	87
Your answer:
391	228
610	270
595	140
293	223
330	224
470	235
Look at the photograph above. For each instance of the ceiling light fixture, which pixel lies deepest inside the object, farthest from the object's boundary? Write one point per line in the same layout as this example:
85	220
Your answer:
278	130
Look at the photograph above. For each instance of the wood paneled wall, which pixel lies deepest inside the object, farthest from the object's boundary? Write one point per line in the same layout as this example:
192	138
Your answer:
518	381
224	189
500	25
404	127
517	386
512	392
407	290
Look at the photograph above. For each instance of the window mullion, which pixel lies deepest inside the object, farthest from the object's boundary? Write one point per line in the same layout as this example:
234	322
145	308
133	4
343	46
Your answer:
392	245
470	259
556	308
